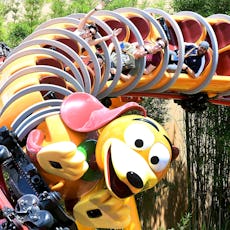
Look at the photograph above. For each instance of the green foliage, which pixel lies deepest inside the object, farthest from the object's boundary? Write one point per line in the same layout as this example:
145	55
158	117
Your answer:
160	4
2	32
4	10
208	154
59	8
184	222
33	13
81	6
121	3
23	21
205	8
14	8
16	33
156	108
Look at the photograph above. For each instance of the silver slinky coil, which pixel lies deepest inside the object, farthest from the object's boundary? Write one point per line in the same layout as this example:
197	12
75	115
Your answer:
59	33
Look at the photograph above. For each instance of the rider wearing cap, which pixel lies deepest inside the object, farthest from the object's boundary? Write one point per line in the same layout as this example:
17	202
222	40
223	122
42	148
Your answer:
194	59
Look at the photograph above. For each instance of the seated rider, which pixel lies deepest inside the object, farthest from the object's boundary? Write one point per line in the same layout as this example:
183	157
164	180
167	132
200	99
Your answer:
89	63
130	55
194	59
153	58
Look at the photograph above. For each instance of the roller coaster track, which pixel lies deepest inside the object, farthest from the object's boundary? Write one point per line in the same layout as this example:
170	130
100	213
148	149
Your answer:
32	60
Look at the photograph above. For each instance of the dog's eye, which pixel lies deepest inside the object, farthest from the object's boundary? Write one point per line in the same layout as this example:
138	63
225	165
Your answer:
159	157
139	137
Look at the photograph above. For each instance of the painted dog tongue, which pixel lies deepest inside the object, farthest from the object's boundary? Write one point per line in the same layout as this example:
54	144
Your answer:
117	186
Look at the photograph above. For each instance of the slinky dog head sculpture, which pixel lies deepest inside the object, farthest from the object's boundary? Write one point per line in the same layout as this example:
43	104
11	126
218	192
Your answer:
133	151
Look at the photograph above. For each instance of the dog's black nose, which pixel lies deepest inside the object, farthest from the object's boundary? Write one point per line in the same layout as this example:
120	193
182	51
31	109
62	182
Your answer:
134	179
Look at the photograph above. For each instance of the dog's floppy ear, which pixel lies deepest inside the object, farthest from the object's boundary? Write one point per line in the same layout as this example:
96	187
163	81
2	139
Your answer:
175	153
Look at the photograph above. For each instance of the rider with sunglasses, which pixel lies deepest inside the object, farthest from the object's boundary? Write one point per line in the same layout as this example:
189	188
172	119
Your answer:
131	53
153	57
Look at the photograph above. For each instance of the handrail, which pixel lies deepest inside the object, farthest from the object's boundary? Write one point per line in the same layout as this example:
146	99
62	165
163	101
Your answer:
22	116
133	28
35	115
180	40
78	39
67	49
34	88
43	51
54	21
220	16
32	124
42	68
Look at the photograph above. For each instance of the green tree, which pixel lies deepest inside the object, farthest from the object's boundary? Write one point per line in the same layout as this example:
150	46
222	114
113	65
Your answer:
121	3
156	108
60	8
208	154
33	10
16	33
7	7
22	24
205	8
2	13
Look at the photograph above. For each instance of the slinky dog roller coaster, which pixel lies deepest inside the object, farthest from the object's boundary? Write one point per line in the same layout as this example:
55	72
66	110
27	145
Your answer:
58	141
